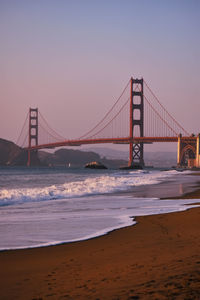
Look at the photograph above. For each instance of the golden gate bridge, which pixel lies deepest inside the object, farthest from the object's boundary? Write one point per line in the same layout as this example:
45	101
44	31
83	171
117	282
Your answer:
137	117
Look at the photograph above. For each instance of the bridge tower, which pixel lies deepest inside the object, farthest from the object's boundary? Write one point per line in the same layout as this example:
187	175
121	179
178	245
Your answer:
136	150
33	132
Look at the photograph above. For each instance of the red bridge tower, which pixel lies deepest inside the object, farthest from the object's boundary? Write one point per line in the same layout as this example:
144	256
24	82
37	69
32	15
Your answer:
33	132
136	158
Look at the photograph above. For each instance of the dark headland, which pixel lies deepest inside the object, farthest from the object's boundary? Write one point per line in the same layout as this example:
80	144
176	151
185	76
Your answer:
13	155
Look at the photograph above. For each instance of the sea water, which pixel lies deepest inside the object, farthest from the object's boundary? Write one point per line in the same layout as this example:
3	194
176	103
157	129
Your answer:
48	206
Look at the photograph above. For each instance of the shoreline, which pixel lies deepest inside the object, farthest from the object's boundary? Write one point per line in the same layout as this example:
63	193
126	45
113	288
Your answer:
122	264
87	238
157	258
131	221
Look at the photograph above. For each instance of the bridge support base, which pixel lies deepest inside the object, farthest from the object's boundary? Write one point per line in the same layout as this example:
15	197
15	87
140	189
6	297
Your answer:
188	152
29	158
136	160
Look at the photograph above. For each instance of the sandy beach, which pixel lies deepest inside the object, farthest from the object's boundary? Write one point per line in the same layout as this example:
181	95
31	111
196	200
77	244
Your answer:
156	259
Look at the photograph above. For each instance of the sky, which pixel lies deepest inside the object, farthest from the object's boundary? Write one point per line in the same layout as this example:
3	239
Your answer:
72	58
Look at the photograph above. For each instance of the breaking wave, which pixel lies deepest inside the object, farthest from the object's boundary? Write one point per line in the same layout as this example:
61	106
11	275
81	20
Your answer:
93	185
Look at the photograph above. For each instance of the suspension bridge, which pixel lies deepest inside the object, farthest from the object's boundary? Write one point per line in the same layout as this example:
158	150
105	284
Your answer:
137	117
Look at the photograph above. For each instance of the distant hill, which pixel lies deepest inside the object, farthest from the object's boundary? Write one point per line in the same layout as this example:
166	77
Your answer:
12	155
160	159
156	159
8	152
77	158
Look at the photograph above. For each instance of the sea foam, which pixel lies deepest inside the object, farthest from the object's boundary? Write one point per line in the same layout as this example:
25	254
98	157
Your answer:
94	185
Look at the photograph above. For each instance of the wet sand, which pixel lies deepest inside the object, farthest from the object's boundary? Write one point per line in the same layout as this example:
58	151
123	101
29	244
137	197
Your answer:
159	258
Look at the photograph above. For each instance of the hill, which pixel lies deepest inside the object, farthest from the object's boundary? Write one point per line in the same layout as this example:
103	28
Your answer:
13	155
77	158
156	159
8	151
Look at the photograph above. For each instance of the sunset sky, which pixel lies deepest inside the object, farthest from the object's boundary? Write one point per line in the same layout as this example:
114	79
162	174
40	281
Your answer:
71	59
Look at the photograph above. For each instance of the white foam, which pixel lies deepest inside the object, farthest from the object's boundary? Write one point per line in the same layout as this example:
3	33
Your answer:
125	222
56	222
94	185
76	206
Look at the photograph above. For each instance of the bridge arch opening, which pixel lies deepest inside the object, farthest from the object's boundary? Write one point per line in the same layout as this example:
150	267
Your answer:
137	114
136	131
33	131
137	100
187	153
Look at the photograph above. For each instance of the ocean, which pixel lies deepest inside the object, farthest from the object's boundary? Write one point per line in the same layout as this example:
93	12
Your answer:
49	206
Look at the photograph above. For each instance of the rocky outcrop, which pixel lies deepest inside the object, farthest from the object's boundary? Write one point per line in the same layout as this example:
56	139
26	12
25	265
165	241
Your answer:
95	165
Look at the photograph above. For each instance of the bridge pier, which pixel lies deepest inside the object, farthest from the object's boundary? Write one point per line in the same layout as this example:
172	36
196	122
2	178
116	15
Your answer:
188	152
198	151
179	150
29	158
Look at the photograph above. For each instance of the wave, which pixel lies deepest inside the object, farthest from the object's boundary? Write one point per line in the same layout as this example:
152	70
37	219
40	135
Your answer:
93	185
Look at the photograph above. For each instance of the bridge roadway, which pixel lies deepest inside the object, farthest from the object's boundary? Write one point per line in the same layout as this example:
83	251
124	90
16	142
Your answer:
128	140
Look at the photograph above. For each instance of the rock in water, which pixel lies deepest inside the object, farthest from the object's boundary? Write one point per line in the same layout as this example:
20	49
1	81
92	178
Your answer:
95	165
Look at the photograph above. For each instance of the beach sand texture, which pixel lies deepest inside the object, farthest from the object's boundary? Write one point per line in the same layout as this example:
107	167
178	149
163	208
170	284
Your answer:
159	258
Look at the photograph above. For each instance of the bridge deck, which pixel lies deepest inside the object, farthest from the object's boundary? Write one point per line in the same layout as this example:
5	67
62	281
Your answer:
113	141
